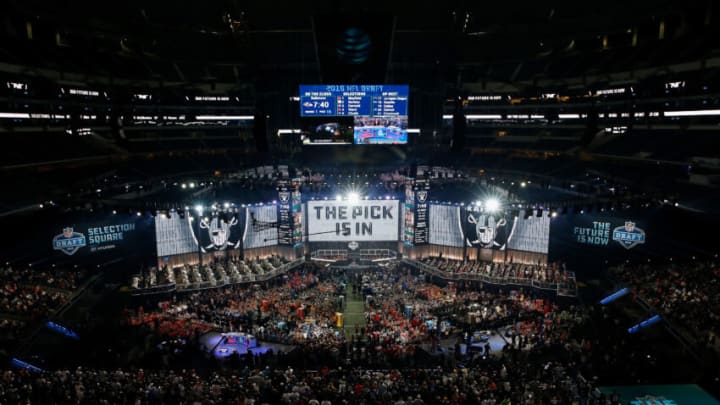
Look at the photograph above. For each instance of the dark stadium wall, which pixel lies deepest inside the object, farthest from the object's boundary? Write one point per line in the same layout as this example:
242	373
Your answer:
82	238
353	47
586	242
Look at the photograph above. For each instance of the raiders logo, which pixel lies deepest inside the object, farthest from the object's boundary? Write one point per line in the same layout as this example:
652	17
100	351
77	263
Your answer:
487	229
284	196
219	232
422	196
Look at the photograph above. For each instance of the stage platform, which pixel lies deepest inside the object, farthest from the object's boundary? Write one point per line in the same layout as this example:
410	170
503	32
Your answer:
221	347
494	338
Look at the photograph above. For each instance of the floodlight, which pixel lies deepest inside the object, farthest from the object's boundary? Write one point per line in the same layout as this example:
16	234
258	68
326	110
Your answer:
492	205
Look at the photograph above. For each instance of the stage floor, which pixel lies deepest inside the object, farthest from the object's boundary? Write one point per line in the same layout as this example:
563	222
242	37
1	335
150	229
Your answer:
211	343
497	343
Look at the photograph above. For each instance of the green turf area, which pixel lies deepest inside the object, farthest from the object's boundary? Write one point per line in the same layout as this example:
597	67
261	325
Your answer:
354	313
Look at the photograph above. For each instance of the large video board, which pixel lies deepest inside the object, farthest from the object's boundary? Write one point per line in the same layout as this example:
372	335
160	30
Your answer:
344	221
330	100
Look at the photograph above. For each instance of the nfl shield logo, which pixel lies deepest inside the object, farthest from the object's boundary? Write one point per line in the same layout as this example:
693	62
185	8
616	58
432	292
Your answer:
69	241
628	235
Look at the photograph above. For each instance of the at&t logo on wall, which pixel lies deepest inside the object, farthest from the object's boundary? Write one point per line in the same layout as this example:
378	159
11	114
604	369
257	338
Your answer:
69	241
629	235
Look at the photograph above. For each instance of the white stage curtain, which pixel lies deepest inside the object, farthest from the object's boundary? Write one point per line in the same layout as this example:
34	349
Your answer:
445	227
531	234
255	236
174	236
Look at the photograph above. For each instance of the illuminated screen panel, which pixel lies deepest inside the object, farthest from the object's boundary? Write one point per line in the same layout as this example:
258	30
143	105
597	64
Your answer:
332	100
344	221
381	130
327	131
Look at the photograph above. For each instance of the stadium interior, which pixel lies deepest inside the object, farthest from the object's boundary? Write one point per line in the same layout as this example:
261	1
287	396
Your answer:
337	202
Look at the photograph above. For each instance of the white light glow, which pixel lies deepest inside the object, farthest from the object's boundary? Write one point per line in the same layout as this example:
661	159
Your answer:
223	117
485	98
492	205
605	92
287	131
82	92
14	115
483	116
691	113
212	98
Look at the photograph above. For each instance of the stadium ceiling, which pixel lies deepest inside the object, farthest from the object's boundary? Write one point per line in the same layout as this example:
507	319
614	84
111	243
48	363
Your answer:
479	45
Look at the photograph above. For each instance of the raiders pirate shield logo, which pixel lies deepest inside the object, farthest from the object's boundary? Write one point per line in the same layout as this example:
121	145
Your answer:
422	196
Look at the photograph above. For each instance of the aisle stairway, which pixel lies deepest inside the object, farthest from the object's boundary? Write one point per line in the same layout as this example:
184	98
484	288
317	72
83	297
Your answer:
354	313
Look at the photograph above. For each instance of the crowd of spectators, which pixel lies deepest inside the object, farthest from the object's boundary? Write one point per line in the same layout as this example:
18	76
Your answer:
405	310
299	309
511	381
506	273
9	330
281	311
546	356
687	293
34	292
54	277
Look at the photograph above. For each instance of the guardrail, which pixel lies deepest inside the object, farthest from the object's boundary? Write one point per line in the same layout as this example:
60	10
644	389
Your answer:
323	255
244	279
563	289
332	255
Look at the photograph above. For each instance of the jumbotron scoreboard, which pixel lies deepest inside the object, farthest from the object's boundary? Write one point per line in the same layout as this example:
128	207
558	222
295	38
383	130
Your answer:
333	100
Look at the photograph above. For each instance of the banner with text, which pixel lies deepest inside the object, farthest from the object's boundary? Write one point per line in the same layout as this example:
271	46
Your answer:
337	221
421	190
285	222
408	236
100	235
296	208
599	239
